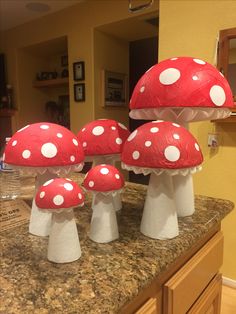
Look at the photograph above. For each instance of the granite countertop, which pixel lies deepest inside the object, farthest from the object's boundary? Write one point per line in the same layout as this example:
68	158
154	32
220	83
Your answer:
107	276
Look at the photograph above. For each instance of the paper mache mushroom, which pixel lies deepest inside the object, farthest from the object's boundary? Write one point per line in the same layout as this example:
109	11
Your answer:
181	90
162	149
102	141
105	181
59	196
47	150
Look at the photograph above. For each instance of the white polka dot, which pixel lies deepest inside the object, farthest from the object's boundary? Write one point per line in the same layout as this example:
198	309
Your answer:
132	135
59	135
217	95
98	130
26	154
173	58
172	153
142	89
197	147
221	74
48	182
117	176
148	143
157	121
80	196
104	171
25	127
199	61
75	142
72	158
118	141
14	143
122	126
91	184
136	155
176	136
42	194
68	186
195	78
3	156
44	127
49	150
169	76
154	130
84	144
103	164
58	200
150	69
68	179
113	128
175	124
83	129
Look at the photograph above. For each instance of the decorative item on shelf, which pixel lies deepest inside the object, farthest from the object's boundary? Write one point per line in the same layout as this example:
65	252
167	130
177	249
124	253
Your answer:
64	61
104	181
114	89
162	149
79	71
42	76
102	142
79	92
65	73
58	197
54	151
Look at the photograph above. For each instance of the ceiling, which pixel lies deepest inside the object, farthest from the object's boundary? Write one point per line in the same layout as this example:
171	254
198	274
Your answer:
16	12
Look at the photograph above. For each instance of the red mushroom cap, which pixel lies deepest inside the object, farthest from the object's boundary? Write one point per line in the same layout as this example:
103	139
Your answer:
59	193
43	145
162	145
103	137
103	178
182	82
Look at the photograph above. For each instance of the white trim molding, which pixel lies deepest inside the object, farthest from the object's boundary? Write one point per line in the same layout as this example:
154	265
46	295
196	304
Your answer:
229	282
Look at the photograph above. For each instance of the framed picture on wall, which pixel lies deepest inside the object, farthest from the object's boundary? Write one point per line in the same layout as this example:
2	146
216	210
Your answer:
114	87
78	71
79	92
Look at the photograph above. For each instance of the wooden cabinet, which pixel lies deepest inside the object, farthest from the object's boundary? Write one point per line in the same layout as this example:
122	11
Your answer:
195	287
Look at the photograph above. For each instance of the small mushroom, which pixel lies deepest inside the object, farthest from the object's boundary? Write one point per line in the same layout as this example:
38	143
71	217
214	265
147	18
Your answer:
102	141
162	149
47	150
59	196
105	181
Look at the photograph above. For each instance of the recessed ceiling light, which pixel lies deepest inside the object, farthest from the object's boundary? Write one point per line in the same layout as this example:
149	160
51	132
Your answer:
38	7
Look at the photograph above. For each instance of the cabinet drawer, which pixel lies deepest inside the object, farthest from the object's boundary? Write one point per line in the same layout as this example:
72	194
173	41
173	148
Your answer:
183	289
149	307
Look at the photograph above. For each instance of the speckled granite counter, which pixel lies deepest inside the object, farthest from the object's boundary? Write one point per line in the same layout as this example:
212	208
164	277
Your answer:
107	276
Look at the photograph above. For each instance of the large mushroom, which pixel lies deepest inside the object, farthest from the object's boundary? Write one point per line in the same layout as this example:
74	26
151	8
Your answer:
182	90
47	150
162	149
59	196
105	181
102	141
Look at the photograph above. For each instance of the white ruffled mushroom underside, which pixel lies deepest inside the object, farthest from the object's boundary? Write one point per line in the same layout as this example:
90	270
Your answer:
59	170
180	114
170	172
113	193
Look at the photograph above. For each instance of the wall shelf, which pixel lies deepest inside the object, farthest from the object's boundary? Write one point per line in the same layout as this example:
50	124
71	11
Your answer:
7	112
52	83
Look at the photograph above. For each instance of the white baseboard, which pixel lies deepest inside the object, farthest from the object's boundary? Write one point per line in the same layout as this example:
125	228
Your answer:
229	282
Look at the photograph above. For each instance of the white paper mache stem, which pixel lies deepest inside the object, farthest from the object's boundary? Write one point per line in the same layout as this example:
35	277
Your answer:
109	159
40	222
159	219
64	245
104	227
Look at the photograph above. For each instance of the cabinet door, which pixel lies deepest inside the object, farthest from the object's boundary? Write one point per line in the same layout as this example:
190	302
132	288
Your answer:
184	288
210	300
149	307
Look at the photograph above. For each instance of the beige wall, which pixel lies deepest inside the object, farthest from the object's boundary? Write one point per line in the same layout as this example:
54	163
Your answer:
190	28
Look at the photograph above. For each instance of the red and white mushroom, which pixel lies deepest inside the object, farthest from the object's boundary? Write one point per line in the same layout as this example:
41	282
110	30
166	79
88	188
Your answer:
103	141
162	149
59	196
105	181
181	90
47	150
